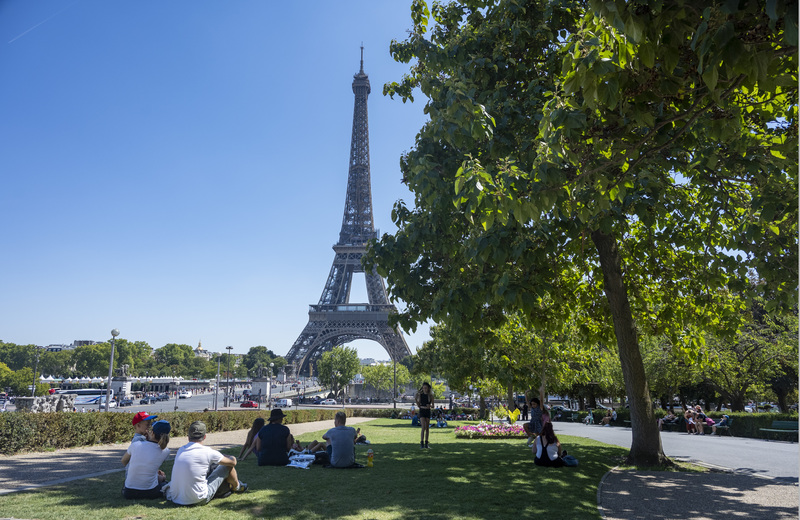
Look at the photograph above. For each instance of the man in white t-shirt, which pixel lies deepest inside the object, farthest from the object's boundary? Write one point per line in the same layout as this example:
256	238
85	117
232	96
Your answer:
191	481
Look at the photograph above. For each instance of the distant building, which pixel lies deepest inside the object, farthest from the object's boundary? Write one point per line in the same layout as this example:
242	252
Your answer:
83	342
201	352
58	348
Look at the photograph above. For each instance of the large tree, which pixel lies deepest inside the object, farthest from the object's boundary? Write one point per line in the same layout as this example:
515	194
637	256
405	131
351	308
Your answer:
337	367
631	164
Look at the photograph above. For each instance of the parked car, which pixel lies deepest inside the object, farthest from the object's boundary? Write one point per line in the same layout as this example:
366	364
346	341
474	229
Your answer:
126	402
249	404
112	405
185	395
162	397
147	400
328	401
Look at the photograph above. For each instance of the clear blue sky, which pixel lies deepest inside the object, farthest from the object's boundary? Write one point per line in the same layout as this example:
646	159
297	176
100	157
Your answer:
177	170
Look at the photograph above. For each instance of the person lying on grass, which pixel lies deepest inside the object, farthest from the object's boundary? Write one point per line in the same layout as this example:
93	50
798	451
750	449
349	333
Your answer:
312	447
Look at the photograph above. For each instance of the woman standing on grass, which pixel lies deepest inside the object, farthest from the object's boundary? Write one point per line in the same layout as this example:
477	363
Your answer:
424	403
144	479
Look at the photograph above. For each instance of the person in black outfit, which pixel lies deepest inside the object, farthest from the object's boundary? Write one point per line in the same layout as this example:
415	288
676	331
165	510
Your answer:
525	412
273	442
425	403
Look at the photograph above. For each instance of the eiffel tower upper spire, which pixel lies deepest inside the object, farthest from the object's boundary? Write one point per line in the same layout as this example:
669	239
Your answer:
357	224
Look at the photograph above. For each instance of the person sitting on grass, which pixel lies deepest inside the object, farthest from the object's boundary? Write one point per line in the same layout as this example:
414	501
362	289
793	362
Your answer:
547	449
200	473
273	442
144	479
361	439
141	424
341	442
248	445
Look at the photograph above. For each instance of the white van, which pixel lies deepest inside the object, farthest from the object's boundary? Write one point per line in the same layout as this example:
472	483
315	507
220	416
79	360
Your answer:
283	403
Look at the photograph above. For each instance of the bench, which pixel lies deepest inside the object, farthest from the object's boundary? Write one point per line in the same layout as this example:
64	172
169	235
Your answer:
782	427
679	425
567	416
726	427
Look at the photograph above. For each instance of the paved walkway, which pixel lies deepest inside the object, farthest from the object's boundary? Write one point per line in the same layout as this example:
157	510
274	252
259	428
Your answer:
754	479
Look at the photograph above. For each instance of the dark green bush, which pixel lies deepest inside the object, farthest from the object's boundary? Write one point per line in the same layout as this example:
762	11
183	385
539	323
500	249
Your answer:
25	432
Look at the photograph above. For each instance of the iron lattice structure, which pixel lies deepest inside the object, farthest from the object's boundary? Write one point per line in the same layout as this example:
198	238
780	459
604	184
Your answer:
334	320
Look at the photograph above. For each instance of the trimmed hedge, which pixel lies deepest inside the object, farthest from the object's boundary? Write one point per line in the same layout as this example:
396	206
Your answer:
743	424
27	432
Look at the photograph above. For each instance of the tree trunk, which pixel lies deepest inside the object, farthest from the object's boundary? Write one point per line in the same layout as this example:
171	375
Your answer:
646	444
512	402
483	414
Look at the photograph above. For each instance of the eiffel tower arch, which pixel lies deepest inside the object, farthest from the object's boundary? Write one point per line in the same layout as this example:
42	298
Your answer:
335	320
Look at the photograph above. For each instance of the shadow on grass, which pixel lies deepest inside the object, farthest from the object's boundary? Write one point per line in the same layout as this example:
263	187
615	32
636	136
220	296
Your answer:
464	479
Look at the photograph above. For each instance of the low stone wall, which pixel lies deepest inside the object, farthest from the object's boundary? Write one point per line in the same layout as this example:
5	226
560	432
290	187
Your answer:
46	403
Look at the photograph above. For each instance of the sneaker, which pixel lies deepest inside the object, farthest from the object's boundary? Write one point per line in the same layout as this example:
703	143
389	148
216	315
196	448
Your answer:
564	453
427	447
421	446
242	487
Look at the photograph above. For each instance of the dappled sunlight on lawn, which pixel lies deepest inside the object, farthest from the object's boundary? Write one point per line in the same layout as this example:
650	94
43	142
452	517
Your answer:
475	479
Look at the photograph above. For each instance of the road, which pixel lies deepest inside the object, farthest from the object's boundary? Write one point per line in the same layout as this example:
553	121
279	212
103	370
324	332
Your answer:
775	459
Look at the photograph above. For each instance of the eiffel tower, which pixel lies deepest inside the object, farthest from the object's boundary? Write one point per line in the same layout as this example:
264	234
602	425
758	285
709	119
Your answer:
334	320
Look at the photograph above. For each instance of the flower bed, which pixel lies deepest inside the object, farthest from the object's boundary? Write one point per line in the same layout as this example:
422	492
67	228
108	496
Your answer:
490	431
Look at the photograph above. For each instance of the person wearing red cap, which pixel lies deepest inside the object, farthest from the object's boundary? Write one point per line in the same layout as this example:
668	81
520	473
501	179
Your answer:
141	423
143	478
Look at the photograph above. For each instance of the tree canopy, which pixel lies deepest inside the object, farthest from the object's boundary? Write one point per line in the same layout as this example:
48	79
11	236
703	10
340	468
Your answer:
625	162
338	366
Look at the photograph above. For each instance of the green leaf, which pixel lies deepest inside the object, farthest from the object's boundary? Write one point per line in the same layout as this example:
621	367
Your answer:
710	77
772	10
701	29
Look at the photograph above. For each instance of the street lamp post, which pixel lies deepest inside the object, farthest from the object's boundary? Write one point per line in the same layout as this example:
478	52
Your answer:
35	369
216	392
228	389
269	392
175	384
114	334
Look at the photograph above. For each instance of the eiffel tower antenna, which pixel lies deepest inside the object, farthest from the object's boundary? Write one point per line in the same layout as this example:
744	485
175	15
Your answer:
334	320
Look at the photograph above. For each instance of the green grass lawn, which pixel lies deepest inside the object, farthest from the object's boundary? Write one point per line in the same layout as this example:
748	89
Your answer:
455	479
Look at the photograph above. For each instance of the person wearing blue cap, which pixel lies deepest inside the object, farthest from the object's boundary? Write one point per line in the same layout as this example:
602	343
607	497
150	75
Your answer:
144	477
725	422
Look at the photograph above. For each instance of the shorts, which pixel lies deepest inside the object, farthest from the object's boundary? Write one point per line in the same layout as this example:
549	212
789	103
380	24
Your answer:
425	412
217	485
